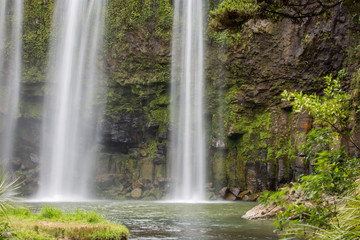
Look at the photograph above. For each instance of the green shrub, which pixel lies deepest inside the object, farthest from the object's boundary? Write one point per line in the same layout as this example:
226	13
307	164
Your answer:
50	212
94	217
119	233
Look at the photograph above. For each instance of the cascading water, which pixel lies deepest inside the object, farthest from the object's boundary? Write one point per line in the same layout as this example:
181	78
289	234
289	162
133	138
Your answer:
69	134
187	146
11	15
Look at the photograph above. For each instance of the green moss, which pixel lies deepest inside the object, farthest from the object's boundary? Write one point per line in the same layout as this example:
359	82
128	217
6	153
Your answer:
137	43
36	37
232	14
151	148
254	134
235	168
219	169
25	172
160	115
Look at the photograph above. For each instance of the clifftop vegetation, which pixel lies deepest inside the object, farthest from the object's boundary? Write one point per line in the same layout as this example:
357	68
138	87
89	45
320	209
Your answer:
233	14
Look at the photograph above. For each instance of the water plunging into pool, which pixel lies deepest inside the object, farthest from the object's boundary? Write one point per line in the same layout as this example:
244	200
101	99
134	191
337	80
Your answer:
187	141
11	16
69	133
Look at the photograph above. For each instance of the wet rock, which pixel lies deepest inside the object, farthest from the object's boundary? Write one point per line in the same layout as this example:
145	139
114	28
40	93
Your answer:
104	181
256	176
159	160
235	191
162	150
149	198
163	135
251	179
138	183
218	143
211	196
153	125
34	158
271	176
253	197
156	193
286	106
282	172
305	123
300	167
16	163
120	133
223	191
243	194
120	187
136	193
261	212
230	196
147	169
234	135
28	164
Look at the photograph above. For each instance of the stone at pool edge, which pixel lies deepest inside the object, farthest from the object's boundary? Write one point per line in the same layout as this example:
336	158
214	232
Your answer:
262	212
232	194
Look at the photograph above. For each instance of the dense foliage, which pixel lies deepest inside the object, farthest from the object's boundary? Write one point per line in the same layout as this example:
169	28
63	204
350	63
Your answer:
233	14
323	202
333	109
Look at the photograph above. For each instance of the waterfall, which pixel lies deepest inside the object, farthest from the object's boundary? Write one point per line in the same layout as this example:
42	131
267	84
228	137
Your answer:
187	140
69	133
11	15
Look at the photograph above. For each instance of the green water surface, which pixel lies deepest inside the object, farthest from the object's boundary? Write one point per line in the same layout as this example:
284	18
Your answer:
169	220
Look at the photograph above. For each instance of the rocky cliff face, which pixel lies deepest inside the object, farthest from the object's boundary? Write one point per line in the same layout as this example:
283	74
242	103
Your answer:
262	134
253	135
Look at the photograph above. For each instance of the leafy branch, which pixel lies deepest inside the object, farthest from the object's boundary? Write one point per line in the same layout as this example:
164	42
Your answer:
333	109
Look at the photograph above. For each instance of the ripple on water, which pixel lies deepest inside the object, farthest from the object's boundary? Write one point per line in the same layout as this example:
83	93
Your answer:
164	220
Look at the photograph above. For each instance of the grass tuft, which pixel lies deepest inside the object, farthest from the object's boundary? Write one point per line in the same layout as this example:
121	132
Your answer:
53	223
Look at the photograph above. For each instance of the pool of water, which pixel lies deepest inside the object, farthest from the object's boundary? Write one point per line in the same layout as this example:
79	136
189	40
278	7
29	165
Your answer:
184	221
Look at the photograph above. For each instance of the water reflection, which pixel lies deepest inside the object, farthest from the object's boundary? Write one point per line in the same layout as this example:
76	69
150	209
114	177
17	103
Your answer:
185	221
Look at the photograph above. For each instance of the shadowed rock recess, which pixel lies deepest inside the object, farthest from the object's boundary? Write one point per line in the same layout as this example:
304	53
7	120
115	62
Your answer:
253	136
